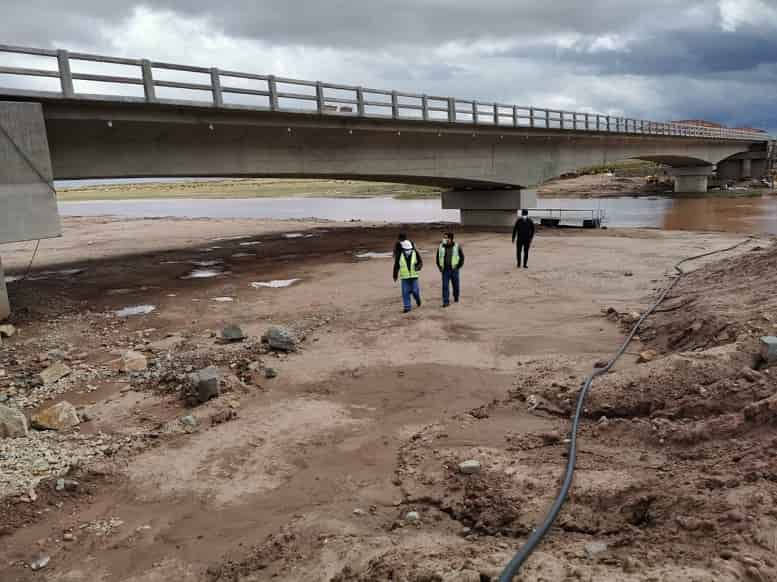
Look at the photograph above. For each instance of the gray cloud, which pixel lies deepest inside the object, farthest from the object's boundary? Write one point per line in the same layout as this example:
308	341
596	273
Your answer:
713	59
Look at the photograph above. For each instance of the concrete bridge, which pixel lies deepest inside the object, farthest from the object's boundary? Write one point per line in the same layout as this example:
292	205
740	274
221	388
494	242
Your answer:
150	123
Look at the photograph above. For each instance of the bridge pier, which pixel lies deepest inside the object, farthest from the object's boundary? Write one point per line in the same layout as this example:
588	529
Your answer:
691	180
28	204
488	207
5	305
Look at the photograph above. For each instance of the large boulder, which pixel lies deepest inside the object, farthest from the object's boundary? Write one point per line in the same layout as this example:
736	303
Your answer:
207	384
280	339
232	333
13	423
61	416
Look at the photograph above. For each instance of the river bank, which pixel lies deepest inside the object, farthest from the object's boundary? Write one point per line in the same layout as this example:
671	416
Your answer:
339	461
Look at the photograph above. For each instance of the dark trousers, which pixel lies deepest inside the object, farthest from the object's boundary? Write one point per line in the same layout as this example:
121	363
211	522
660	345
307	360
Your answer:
410	287
522	244
450	276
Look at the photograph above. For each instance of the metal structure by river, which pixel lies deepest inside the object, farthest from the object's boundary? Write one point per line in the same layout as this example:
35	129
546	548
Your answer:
734	214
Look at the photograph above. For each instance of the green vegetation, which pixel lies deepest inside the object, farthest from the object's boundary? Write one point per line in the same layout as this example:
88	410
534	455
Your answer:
247	188
625	167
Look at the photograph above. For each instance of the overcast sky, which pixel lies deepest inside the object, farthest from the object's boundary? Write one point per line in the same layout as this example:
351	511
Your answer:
663	59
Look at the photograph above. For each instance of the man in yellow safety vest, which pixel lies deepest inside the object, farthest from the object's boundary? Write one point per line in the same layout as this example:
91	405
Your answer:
407	264
450	260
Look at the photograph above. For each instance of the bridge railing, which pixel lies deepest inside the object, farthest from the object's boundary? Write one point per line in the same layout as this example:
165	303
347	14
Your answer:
148	81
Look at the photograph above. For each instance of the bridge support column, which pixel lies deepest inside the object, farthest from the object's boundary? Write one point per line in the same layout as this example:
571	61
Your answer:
28	204
488	207
5	306
691	180
746	169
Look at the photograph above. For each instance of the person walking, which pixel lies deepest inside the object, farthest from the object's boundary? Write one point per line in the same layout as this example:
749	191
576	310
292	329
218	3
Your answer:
450	260
523	233
407	265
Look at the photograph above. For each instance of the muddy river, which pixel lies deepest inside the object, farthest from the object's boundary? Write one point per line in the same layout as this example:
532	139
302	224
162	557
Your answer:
756	215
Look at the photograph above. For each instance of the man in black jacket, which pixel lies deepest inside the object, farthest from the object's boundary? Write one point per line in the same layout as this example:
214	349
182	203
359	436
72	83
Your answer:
523	233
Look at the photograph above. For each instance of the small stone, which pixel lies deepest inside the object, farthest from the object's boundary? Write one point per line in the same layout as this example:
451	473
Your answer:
133	361
412	516
632	565
189	421
647	356
13	423
280	339
594	548
358	511
628	274
769	349
39	563
68	537
601	364
232	333
551	437
7	330
54	373
270	373
61	416
60	486
207	383
750	375
469	467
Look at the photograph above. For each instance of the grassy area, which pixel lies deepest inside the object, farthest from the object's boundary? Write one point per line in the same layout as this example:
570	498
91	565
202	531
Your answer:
627	167
247	188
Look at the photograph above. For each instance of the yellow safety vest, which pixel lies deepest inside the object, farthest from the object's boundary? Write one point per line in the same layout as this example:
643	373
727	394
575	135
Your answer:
405	271
455	258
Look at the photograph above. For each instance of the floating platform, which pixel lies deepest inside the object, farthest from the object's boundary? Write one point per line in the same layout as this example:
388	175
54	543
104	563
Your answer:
569	217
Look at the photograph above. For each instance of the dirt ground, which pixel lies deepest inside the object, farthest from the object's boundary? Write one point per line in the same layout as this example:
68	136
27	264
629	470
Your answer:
315	474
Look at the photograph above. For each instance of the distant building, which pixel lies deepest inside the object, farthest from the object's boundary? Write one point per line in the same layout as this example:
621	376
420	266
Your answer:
751	129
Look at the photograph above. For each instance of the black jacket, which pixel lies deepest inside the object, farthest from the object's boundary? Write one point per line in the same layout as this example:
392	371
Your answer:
447	259
398	251
523	230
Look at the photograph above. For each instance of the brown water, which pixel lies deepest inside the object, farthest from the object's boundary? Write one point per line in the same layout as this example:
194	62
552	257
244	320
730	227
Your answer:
746	215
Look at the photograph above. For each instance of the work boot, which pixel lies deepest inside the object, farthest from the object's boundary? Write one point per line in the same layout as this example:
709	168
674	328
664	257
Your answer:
406	310
446	304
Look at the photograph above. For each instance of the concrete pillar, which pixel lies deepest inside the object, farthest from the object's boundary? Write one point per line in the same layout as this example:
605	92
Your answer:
5	306
691	180
489	207
746	169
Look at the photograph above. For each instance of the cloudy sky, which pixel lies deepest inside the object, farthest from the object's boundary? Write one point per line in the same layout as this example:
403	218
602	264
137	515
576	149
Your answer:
664	59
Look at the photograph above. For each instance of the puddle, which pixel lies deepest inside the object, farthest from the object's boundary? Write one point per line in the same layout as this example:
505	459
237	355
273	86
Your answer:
135	310
209	249
250	243
204	274
223	299
373	255
12	278
172	262
277	284
212	263
60	273
293	235
241	255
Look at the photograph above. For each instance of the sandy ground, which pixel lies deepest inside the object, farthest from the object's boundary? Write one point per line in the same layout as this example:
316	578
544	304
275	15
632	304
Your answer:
311	475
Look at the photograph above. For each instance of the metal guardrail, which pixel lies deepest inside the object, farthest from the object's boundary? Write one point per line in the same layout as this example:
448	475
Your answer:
328	99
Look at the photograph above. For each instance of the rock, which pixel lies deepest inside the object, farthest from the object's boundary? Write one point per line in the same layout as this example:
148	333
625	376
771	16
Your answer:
7	330
412	516
189	421
632	566
206	383
68	537
469	467
270	373
66	485
279	338
54	373
62	416
594	548
167	344
601	364
232	333
132	361
39	563
13	423
628	274
769	349
60	486
647	356
750	375
358	511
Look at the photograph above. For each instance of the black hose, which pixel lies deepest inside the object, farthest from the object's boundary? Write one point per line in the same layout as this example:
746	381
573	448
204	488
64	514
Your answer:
539	533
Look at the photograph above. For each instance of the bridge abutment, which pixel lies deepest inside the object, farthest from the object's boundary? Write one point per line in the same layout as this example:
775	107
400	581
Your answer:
28	204
691	180
488	207
5	305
